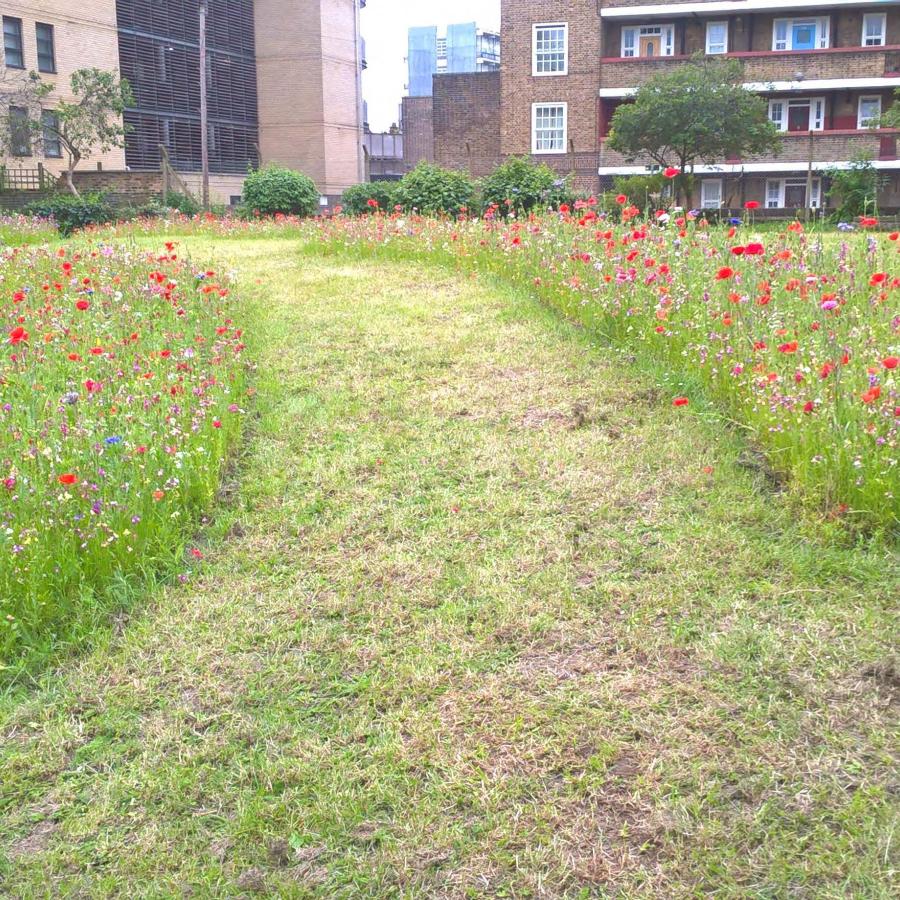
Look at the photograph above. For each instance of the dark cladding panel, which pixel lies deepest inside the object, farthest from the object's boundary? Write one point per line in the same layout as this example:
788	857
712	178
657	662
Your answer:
159	55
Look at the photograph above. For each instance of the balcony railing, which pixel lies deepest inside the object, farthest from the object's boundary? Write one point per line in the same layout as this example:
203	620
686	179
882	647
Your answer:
764	66
797	148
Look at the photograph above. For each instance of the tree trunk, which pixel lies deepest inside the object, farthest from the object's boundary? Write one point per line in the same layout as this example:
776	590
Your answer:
70	182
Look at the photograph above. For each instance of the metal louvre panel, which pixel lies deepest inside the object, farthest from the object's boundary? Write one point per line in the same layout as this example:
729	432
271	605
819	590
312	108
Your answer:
159	55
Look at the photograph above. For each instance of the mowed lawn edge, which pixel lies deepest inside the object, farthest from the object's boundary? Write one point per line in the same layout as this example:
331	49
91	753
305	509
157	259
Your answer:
492	618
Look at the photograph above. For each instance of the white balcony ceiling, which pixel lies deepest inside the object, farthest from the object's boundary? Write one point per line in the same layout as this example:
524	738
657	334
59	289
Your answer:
673	10
783	87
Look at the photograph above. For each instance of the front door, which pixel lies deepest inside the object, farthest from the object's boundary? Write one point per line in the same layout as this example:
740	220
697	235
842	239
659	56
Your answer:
798	117
649	45
804	36
795	196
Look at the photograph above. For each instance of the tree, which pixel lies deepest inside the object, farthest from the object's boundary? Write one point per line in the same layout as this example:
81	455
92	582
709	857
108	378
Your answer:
855	189
518	185
89	123
699	112
891	117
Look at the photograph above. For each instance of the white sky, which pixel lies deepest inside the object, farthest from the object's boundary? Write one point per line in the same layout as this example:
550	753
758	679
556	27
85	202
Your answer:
384	26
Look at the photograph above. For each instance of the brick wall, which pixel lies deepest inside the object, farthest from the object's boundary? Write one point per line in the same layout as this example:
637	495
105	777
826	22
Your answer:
310	114
467	121
84	36
520	89
121	187
417	118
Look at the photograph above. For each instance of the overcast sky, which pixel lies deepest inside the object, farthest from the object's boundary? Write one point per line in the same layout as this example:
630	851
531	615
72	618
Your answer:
384	26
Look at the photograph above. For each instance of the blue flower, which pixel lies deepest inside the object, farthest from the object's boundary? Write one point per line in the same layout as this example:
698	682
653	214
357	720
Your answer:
115	439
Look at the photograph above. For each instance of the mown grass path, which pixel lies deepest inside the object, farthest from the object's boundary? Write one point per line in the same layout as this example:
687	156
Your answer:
492	619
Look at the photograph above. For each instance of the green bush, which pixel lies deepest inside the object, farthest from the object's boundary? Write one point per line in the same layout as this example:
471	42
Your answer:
71	213
854	190
429	189
275	189
519	185
356	199
184	203
641	190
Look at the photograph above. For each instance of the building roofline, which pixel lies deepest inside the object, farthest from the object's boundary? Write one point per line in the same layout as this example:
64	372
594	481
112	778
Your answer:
784	87
750	168
673	10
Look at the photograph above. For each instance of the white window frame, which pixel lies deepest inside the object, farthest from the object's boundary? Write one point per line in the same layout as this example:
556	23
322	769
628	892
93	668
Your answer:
666	40
534	48
861	124
775	190
724	45
565	125
709	202
823	38
882	32
815	121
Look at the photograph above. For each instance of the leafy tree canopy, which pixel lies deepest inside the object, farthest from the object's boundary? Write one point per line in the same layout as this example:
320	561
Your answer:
699	112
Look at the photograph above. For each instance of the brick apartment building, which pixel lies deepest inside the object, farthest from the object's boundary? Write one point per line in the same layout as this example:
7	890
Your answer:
826	69
283	82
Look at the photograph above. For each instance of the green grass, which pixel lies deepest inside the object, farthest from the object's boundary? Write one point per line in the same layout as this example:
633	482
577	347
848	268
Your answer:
483	625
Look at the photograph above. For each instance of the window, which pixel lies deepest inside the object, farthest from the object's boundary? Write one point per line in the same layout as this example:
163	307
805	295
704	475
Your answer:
800	34
711	193
548	132
550	53
790	193
807	114
45	51
716	37
869	112
19	131
648	40
12	43
50	134
873	30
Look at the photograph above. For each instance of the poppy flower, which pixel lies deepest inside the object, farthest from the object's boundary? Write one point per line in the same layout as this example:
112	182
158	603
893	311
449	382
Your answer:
82	305
671	172
724	273
878	278
680	401
871	395
737	251
621	199
754	248
891	362
372	203
68	478
826	370
894	236
789	347
751	204
809	406
18	335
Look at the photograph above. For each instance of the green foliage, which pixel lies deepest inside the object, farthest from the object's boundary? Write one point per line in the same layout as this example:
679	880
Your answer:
890	118
854	191
641	190
184	203
276	189
72	212
431	189
356	198
698	112
519	185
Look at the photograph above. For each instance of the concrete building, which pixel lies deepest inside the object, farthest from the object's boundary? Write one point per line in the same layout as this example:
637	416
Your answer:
827	71
283	80
462	48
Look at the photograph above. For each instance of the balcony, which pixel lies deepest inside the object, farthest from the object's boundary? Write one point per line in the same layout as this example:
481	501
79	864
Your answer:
614	10
766	66
826	147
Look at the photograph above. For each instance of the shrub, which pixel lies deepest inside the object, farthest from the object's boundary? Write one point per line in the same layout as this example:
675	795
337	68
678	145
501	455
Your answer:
519	185
356	199
184	203
431	189
71	213
275	189
641	190
854	190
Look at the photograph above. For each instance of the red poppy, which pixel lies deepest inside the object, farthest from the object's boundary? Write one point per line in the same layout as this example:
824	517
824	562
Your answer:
809	406
871	395
878	278
82	305
68	478
751	204
737	251
671	172
18	335
826	370
891	362
680	401
754	249
621	199
789	347
894	236
372	203
724	273
91	386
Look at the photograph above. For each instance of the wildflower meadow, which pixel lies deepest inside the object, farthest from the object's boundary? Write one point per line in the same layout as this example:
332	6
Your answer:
122	394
